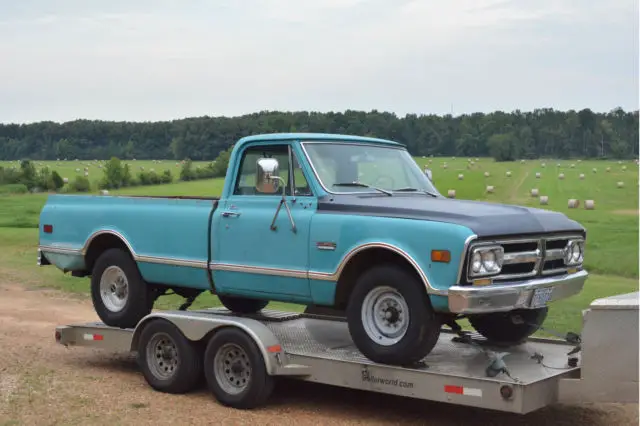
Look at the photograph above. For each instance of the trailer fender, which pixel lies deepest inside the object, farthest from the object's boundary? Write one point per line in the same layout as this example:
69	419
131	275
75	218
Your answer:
196	326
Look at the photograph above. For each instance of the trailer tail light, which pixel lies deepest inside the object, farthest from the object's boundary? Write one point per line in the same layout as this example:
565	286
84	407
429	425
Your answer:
93	337
48	229
462	390
274	349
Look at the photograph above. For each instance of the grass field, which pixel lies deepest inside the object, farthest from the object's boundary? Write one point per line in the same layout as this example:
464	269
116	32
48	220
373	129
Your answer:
612	246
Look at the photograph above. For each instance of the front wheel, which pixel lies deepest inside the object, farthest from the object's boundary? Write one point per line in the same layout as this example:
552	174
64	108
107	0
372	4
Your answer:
509	328
242	305
390	317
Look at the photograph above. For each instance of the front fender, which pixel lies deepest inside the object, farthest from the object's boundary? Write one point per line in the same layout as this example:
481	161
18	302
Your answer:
412	239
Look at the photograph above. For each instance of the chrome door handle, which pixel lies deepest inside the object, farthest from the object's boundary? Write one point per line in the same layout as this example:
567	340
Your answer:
230	214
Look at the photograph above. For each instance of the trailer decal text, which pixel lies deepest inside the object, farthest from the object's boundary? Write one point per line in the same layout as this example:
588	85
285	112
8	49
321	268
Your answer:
370	378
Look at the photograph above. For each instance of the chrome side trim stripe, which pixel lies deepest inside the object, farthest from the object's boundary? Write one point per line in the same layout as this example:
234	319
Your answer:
60	250
200	264
229	267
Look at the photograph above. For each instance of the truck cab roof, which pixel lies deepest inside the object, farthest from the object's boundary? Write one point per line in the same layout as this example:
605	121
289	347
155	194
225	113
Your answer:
315	137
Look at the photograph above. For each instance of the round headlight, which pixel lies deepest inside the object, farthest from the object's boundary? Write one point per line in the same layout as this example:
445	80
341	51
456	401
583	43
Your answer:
489	260
476	262
575	255
568	252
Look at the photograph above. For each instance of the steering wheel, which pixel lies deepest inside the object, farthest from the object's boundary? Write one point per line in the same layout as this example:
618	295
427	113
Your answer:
389	179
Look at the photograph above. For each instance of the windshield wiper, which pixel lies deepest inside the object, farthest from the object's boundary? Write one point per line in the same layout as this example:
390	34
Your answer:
363	185
416	190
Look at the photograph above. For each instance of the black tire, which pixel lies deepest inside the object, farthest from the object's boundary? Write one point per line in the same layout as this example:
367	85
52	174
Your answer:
423	327
500	329
178	375
242	305
227	385
139	300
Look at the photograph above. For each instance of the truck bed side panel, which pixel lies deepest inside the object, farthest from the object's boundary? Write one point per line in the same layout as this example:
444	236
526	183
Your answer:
168	237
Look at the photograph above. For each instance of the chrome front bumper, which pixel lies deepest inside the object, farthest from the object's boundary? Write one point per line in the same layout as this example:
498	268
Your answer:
529	294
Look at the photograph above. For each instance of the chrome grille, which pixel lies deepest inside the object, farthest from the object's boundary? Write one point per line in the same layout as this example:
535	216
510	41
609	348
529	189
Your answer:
526	258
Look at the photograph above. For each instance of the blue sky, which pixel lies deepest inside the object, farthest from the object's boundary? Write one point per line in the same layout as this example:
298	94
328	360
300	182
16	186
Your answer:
160	59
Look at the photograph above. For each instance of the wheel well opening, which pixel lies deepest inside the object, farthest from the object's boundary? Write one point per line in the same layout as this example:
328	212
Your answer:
99	245
359	263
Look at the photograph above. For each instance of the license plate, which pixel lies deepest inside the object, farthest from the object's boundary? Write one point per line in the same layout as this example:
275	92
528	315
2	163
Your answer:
540	297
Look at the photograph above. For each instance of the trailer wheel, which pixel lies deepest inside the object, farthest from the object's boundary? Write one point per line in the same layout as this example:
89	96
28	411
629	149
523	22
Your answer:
503	328
242	305
390	317
120	296
169	361
235	370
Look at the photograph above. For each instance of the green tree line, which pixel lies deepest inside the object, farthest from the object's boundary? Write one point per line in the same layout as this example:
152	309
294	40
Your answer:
502	135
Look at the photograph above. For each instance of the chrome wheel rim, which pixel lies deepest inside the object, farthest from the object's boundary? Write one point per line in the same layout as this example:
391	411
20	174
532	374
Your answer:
385	315
162	356
114	288
232	368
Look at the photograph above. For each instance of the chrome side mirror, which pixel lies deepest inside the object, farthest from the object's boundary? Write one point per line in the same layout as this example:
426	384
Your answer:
267	179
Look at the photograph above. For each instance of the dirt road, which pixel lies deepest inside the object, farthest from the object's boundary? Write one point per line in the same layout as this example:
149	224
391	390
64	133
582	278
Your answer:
42	383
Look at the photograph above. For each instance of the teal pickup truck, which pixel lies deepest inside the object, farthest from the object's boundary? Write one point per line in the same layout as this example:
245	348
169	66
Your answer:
344	222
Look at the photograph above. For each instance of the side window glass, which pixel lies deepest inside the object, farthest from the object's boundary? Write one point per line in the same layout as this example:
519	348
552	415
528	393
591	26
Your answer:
246	179
302	187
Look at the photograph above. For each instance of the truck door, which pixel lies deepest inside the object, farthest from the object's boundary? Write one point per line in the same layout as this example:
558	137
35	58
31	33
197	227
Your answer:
249	257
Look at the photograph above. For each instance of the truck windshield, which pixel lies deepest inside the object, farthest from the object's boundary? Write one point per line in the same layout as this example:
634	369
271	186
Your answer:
383	167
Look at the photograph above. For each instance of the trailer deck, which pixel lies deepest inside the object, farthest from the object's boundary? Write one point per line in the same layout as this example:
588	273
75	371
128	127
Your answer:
319	349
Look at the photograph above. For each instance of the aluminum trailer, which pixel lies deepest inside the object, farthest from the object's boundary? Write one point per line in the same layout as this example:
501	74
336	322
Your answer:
240	357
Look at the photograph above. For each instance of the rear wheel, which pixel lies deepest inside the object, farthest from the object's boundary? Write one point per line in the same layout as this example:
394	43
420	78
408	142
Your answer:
390	317
235	370
169	361
120	296
242	305
509	328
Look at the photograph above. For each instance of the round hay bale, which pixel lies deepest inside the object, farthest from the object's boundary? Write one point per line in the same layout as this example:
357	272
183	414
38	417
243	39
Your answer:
487	174
521	161
594	170
430	161
538	175
477	159
558	165
581	176
543	165
104	192
451	193
624	167
573	204
608	169
77	170
544	200
490	189
534	192
573	166
86	174
619	162
579	161
460	176
65	180
589	204
444	166
508	174
620	184
472	163
561	176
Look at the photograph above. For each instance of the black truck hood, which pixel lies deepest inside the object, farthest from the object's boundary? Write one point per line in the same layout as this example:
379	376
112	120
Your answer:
483	218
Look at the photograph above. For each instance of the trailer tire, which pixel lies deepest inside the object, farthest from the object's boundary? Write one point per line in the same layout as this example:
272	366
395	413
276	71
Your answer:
114	274
386	297
235	370
500	329
169	361
242	305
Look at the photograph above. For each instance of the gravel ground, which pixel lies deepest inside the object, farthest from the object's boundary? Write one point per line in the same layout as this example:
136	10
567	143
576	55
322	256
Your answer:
42	383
